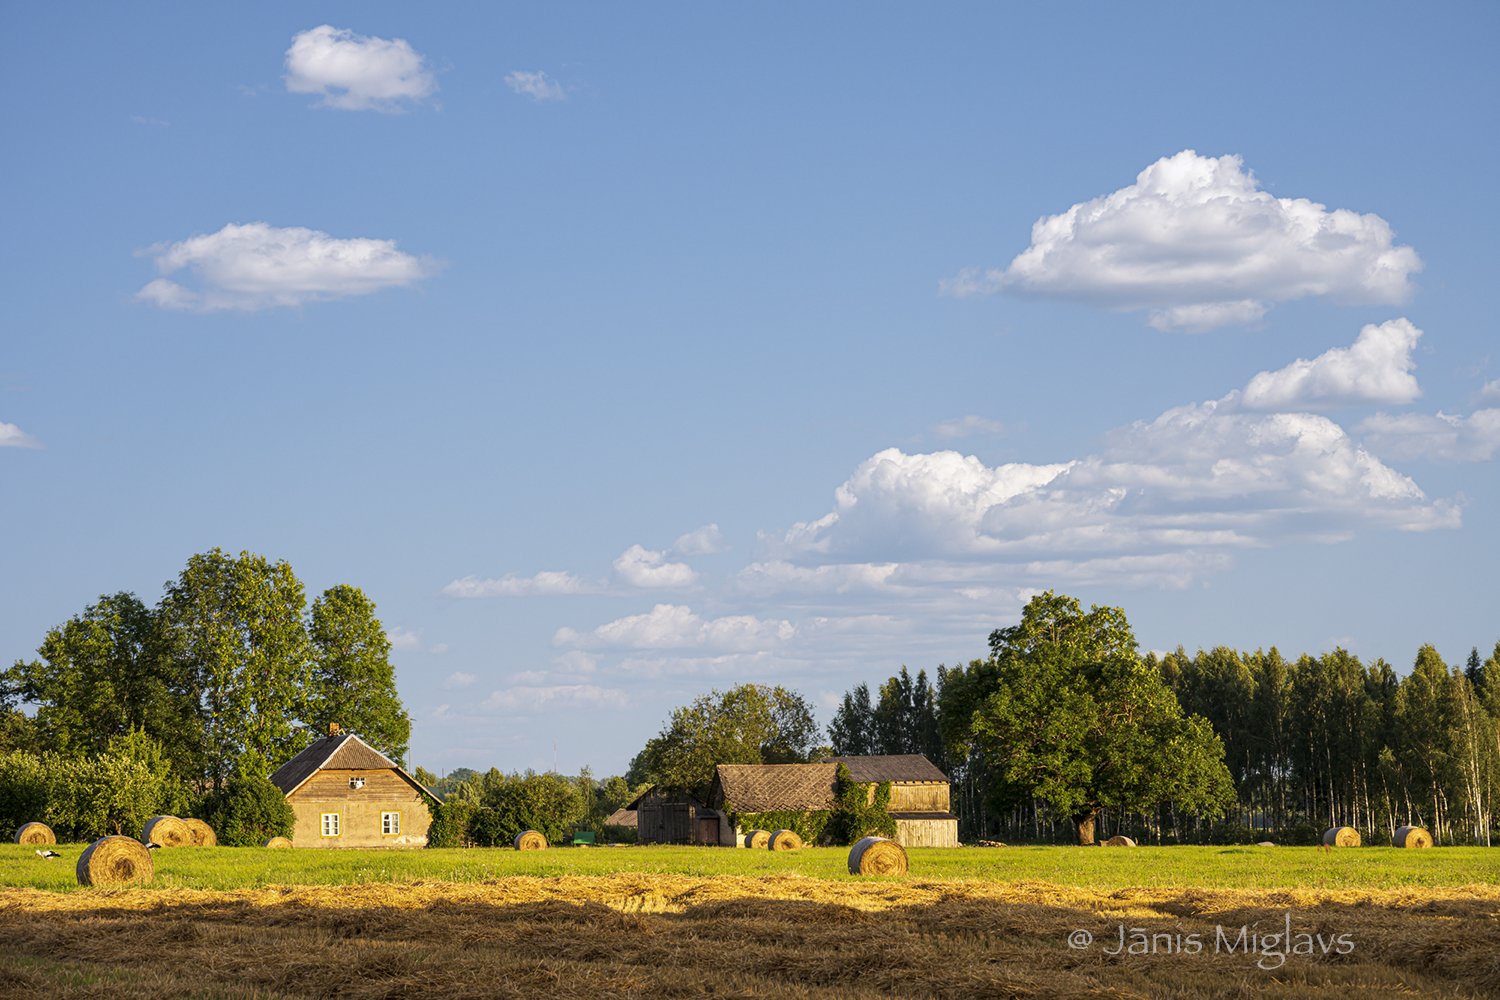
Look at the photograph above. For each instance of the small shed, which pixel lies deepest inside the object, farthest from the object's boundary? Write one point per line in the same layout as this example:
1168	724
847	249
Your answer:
663	816
345	793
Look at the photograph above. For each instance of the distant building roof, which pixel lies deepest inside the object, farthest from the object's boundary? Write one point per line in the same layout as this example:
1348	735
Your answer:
763	787
891	767
343	752
622	817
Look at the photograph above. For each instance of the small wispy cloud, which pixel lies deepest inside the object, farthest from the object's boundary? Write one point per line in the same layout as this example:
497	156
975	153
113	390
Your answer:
537	86
12	436
148	121
544	584
969	426
459	679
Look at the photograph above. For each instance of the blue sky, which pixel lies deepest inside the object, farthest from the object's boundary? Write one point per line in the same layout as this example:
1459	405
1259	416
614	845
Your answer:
623	353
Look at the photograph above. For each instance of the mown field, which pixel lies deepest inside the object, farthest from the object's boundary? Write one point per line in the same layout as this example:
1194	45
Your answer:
680	922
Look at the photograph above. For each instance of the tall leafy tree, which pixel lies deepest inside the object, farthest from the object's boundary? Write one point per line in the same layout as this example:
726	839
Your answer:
352	680
233	626
749	724
851	732
1077	720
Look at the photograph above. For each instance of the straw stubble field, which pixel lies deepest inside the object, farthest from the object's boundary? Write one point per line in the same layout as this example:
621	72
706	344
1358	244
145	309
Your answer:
786	928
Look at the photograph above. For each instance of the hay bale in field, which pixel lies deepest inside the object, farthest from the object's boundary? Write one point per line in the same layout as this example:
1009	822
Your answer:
758	839
1265	843
530	840
1119	841
35	834
877	856
1412	836
203	834
277	843
1341	836
115	861
785	840
167	831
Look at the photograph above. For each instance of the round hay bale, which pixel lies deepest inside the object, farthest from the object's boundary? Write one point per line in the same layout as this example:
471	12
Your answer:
277	843
877	856
35	834
203	834
1412	836
167	831
1341	836
784	840
1119	841
530	840
115	861
1265	843
758	839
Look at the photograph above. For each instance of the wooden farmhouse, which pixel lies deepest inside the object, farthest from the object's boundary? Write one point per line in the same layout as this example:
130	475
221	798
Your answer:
919	796
664	817
345	793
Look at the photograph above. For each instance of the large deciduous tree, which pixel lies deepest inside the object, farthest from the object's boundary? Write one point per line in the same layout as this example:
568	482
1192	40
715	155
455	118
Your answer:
353	682
749	724
1077	720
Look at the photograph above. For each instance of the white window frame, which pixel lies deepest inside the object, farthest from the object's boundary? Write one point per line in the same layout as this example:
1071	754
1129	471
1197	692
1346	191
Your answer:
334	828
390	824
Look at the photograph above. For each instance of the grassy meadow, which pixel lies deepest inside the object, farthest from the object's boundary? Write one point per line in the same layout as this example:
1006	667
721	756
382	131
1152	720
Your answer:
683	922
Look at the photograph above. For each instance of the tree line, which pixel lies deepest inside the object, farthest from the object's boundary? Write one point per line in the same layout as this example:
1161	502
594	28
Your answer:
1064	722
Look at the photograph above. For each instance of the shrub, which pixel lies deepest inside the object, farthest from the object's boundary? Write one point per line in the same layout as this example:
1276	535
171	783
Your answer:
451	822
23	790
855	816
248	811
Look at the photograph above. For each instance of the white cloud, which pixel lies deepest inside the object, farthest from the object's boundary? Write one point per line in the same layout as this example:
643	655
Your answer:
649	569
673	626
12	436
779	576
535	698
969	426
1195	241
459	679
404	639
1376	369
704	541
535	85
1491	390
547	583
257	266
357	72
1440	437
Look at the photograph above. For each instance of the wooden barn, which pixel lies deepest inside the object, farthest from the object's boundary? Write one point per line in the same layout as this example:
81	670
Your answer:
345	793
665	817
919	793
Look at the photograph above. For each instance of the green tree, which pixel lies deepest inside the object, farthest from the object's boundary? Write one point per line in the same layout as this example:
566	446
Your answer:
1079	721
248	810
749	724
353	682
851	732
233	627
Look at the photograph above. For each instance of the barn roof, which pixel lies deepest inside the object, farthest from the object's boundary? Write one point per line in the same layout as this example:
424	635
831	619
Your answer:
763	787
344	752
901	767
622	817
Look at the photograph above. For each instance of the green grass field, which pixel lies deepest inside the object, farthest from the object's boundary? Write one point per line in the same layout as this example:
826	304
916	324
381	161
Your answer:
1092	868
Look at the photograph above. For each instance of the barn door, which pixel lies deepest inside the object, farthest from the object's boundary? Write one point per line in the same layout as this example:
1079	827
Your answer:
708	829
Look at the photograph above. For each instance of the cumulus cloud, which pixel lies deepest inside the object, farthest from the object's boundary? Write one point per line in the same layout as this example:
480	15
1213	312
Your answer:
1441	437
535	85
1198	244
1376	369
258	266
459	679
969	426
12	436
539	698
704	541
548	583
675	626
649	569
404	639
357	72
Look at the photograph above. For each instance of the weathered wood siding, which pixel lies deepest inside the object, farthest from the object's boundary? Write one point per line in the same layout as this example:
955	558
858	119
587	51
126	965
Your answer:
926	797
927	832
359	810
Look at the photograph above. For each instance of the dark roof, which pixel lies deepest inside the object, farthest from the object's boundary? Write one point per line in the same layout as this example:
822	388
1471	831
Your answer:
763	787
891	767
345	752
622	817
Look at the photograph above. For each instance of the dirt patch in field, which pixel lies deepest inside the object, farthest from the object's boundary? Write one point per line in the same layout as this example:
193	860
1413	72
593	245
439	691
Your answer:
787	936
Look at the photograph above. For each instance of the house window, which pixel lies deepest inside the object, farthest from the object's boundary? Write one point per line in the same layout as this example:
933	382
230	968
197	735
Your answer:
330	824
390	824
356	782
